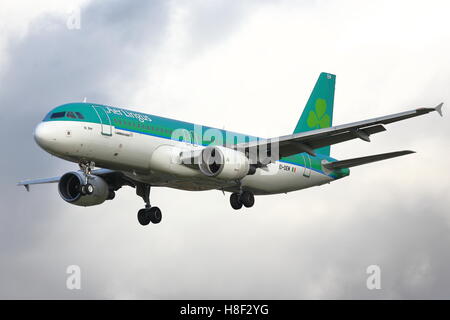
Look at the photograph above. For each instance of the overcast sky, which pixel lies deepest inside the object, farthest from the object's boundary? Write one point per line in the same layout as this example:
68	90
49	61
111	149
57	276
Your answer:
248	66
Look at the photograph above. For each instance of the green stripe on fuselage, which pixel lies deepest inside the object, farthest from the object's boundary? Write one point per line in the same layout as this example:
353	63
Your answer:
165	128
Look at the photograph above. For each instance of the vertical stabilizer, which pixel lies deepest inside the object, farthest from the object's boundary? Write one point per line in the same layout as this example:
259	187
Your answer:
318	112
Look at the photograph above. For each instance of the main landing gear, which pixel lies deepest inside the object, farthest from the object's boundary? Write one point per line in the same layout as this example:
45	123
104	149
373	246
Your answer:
244	198
149	213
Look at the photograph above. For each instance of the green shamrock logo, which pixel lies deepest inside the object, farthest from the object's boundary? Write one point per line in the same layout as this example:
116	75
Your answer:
319	119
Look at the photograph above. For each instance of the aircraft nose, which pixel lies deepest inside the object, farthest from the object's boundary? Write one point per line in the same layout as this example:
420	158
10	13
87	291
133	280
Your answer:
43	135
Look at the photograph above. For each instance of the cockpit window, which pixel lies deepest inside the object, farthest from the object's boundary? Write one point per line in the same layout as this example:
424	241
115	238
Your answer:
80	116
57	115
71	115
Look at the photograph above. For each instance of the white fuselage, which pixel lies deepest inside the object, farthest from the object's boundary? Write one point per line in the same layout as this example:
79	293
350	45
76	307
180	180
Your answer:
152	159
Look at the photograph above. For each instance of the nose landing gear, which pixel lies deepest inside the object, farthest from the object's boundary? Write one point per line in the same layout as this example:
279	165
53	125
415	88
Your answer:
149	213
86	167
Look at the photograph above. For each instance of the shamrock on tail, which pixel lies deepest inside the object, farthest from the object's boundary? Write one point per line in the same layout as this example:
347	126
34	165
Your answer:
319	119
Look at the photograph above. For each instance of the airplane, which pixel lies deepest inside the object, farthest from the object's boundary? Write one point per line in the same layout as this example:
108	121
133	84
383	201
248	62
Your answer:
142	151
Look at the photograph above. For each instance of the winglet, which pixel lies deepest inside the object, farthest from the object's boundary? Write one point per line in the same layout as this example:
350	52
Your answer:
26	185
439	108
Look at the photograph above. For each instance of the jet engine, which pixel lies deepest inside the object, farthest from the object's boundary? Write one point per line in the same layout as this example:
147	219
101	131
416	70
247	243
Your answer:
224	163
72	188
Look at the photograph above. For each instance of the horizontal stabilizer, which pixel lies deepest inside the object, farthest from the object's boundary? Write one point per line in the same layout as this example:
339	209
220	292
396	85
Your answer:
364	160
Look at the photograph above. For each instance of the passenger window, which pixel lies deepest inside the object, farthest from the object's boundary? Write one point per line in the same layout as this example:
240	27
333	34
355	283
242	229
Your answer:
80	116
71	115
57	115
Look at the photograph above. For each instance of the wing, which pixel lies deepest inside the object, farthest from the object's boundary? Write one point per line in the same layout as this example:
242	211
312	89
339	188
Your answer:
115	179
284	146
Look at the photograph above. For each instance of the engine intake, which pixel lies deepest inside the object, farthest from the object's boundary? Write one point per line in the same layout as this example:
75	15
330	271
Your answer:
69	188
224	163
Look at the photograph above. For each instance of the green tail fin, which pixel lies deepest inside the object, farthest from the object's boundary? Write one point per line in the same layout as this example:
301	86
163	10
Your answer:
318	112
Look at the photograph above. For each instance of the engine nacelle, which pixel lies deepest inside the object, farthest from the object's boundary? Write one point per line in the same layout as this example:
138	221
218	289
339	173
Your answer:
69	188
224	163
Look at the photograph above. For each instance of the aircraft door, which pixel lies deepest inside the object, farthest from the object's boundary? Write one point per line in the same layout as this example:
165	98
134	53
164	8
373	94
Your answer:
307	170
105	120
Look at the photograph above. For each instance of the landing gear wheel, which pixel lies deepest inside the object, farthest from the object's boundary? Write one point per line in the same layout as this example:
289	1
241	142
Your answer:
247	199
235	201
143	217
87	189
155	215
149	214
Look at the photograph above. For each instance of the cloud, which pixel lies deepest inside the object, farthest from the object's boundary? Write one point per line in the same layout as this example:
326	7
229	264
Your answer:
258	62
51	65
